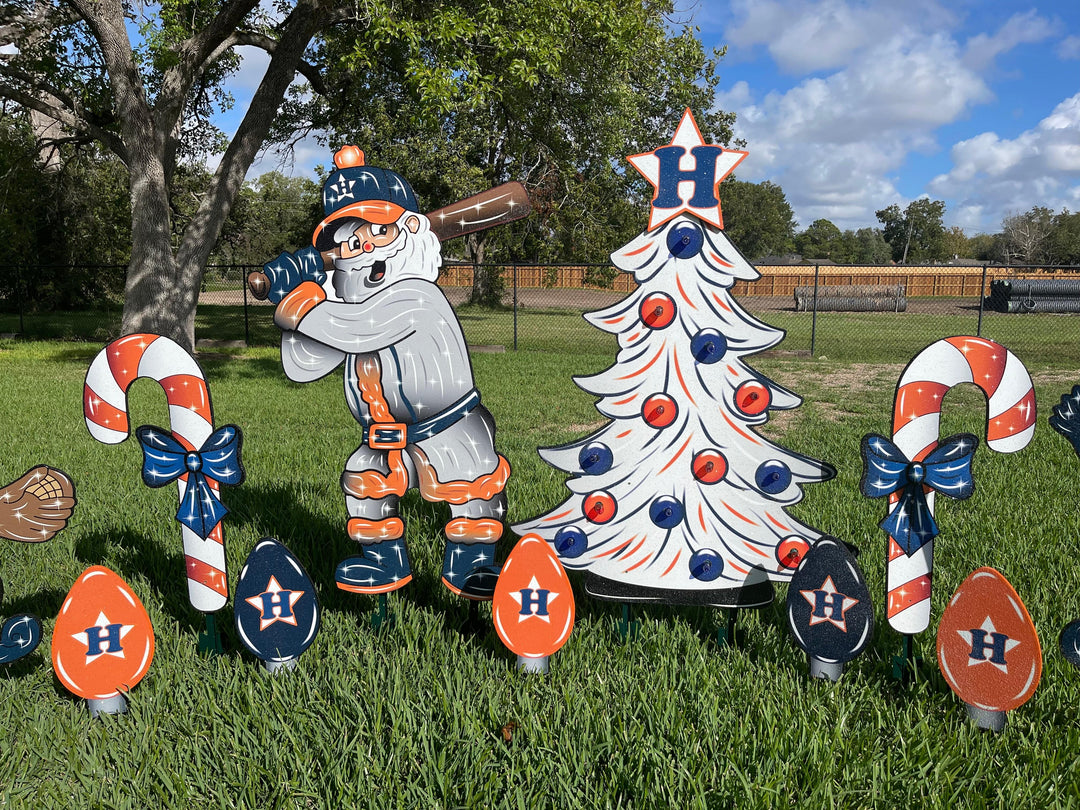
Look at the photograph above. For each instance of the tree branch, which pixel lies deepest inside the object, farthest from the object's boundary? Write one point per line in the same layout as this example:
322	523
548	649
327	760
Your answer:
269	44
296	32
56	105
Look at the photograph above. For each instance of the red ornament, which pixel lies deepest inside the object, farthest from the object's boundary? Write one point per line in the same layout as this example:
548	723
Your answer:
657	310
791	551
659	410
752	398
599	507
709	466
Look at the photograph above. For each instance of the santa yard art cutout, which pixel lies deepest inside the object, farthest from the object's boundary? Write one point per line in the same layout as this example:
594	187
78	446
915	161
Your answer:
408	380
677	499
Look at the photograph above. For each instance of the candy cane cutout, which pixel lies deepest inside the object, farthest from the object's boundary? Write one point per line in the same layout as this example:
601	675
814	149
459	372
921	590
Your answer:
1010	424
191	420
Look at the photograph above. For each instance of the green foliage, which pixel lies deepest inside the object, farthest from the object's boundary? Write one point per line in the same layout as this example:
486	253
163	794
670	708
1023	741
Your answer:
916	234
461	96
72	224
1065	238
757	218
821	240
272	214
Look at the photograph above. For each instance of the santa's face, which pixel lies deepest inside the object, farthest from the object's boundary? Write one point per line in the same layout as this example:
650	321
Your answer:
370	256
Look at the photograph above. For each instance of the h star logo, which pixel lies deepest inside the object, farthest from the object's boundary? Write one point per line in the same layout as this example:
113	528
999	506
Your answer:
828	605
988	646
103	638
533	601
275	604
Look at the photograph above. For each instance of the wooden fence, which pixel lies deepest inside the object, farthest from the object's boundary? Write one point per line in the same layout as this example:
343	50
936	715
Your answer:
929	281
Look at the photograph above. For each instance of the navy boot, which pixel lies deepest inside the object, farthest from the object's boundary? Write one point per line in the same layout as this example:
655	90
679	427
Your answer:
384	567
469	570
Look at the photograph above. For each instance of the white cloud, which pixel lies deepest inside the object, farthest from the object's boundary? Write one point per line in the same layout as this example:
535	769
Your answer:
994	177
891	75
804	36
1020	29
1069	48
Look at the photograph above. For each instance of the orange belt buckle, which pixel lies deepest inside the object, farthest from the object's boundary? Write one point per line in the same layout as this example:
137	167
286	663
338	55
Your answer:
388	436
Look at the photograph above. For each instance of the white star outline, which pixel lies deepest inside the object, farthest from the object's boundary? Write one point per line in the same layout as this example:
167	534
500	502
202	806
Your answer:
534	606
101	622
988	627
688	136
275	588
828	587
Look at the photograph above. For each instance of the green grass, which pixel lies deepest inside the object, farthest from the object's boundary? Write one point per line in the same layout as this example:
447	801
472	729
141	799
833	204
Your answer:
413	716
877	337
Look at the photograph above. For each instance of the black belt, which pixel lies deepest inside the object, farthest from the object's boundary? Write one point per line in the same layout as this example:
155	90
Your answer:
395	435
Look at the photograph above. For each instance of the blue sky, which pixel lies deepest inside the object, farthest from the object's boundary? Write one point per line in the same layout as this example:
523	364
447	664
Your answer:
852	106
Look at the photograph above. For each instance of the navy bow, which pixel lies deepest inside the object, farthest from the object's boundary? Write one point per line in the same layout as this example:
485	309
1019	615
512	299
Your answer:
165	460
1066	417
946	470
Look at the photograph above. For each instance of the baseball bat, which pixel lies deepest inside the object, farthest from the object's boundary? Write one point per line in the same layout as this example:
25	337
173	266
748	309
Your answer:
496	206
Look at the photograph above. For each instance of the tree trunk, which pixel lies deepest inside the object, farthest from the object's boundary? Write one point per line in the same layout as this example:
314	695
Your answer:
153	283
487	286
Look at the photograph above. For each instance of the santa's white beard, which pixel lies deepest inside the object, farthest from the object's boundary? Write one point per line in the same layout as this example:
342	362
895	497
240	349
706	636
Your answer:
411	255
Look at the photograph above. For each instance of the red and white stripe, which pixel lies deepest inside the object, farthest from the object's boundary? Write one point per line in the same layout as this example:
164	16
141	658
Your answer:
1010	424
191	420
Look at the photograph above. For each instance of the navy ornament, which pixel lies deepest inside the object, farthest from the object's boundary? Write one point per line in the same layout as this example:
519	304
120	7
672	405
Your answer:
706	565
570	541
595	458
1070	643
709	346
277	612
685	240
666	512
773	477
830	612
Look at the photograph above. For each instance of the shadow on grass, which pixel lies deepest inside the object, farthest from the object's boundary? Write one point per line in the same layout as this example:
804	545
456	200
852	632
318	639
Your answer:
320	544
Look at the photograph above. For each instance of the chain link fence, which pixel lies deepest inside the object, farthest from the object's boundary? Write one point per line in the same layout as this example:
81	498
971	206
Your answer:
880	314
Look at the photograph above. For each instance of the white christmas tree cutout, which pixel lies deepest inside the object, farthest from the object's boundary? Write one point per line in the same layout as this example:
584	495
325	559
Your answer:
677	499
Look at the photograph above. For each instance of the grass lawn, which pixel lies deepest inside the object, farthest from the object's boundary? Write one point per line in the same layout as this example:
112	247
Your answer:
414	716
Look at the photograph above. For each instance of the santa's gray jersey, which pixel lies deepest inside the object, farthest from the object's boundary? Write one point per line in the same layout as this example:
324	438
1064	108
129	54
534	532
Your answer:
410	331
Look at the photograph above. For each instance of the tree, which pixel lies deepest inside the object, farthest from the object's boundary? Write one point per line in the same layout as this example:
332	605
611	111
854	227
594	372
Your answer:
821	240
549	94
757	217
957	245
1065	239
985	247
916	234
871	247
1026	237
60	216
149	104
677	499
273	213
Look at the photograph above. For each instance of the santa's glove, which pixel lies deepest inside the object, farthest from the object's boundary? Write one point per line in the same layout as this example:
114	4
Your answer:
285	273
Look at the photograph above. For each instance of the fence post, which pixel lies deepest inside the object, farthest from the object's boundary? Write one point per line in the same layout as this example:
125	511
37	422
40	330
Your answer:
19	298
982	298
515	306
243	286
813	319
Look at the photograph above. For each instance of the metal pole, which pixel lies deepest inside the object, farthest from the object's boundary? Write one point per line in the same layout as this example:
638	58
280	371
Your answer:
982	298
515	307
243	286
813	319
19	298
